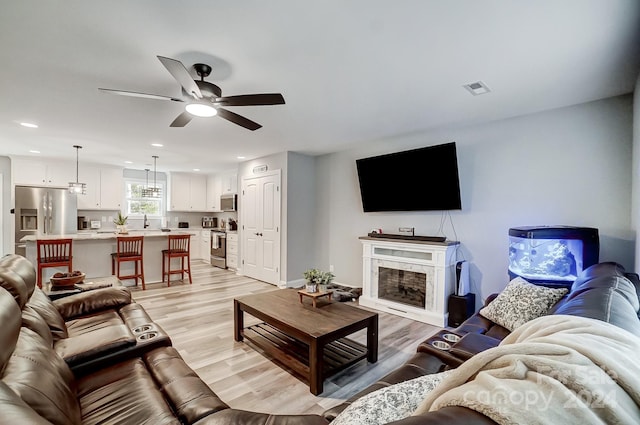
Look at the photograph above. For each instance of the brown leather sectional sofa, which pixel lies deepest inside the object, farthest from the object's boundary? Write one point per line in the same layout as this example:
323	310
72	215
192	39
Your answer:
96	358
81	360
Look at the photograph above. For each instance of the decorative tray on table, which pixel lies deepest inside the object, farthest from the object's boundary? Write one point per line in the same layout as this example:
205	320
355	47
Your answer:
61	281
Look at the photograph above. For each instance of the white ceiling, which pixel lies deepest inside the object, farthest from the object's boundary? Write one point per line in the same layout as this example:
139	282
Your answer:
350	71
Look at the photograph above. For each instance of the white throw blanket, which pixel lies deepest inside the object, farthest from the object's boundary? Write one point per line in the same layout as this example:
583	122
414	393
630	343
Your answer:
553	370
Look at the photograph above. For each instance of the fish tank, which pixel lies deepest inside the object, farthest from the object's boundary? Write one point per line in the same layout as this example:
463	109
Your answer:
552	255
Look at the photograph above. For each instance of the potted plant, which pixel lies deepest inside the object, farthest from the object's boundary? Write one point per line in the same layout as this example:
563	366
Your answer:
315	277
121	223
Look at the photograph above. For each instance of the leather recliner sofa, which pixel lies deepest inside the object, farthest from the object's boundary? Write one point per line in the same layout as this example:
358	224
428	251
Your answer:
111	383
87	330
604	292
157	387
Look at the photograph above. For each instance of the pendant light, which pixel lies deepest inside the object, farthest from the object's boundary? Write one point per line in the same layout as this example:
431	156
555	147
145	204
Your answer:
77	187
145	189
154	191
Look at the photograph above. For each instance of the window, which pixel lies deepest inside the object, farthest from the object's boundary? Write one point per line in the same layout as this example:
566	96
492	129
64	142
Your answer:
138	205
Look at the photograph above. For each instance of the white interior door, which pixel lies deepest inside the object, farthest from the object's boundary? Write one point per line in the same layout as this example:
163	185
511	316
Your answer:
261	227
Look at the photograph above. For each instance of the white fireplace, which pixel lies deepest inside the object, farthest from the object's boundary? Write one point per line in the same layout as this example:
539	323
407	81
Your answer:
408	278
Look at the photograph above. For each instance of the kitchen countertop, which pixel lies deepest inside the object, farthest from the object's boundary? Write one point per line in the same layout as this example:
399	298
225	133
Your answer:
108	235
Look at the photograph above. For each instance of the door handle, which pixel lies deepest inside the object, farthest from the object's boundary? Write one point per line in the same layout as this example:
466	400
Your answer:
258	234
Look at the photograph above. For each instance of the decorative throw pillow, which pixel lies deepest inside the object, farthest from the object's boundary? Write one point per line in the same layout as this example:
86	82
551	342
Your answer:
390	403
520	302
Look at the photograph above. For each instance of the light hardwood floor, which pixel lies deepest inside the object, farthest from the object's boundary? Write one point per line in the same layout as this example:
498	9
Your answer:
199	320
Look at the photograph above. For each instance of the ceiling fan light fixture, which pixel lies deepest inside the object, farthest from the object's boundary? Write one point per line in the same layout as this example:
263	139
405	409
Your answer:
201	110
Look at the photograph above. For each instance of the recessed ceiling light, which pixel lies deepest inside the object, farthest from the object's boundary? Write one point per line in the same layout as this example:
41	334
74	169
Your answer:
34	151
157	145
241	157
196	169
477	88
128	162
29	125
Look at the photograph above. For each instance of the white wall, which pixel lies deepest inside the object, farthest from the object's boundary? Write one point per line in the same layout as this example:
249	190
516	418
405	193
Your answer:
635	209
301	214
8	219
570	166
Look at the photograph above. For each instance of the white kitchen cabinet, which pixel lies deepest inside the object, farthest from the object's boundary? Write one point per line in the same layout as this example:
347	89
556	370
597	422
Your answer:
213	192
91	176
111	188
187	192
34	172
198	192
205	246
104	188
232	250
229	183
194	248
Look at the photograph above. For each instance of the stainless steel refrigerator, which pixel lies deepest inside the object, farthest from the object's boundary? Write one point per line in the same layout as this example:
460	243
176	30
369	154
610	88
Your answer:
44	211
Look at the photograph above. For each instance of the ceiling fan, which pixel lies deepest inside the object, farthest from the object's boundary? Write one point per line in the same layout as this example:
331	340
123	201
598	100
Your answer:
204	99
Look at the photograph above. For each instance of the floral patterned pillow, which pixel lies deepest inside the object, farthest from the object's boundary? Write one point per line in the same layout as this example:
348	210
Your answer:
520	302
390	403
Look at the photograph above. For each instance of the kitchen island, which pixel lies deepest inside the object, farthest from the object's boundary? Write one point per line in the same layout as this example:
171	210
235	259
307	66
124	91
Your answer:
92	253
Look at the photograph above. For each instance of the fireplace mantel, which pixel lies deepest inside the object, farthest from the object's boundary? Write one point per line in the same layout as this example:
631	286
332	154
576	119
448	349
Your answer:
422	273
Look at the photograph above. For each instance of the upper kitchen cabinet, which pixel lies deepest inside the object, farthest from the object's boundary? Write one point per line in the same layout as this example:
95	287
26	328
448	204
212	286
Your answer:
187	192
104	187
33	172
214	189
229	183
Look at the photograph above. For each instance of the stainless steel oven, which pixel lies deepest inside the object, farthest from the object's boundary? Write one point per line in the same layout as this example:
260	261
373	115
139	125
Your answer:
219	249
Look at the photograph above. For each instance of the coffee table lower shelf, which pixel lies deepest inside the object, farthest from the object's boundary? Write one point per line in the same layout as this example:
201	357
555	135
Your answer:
294	354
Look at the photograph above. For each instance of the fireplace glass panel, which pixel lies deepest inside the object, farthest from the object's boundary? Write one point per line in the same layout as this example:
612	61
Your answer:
403	253
403	286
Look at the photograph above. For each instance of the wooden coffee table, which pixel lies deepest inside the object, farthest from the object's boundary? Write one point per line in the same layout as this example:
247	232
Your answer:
311	342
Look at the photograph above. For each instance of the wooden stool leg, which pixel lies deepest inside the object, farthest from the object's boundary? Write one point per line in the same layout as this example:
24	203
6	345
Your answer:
142	274
168	270
182	268
189	269
163	257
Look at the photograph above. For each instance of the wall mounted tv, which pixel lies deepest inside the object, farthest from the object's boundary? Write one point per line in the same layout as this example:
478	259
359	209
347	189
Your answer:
424	179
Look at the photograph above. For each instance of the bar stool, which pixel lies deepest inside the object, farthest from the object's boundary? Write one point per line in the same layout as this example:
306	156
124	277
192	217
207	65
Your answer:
129	248
53	253
178	248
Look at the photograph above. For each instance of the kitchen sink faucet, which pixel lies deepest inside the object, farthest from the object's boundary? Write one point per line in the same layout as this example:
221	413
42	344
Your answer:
145	223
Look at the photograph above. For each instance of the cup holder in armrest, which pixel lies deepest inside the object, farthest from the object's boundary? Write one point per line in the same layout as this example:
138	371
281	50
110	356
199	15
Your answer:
142	328
441	345
147	335
451	338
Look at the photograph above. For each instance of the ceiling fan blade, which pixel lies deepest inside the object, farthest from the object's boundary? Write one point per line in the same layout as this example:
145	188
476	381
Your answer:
137	94
182	76
238	119
181	120
251	99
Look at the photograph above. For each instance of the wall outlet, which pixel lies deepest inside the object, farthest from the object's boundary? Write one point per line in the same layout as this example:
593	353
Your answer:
331	268
104	219
175	219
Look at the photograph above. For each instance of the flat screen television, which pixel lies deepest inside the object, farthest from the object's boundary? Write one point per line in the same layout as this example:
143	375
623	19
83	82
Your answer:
423	179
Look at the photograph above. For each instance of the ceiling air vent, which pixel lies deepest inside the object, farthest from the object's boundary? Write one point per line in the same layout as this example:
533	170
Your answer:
477	88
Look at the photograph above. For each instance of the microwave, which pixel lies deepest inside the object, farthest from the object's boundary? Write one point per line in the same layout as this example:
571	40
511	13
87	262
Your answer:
229	202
